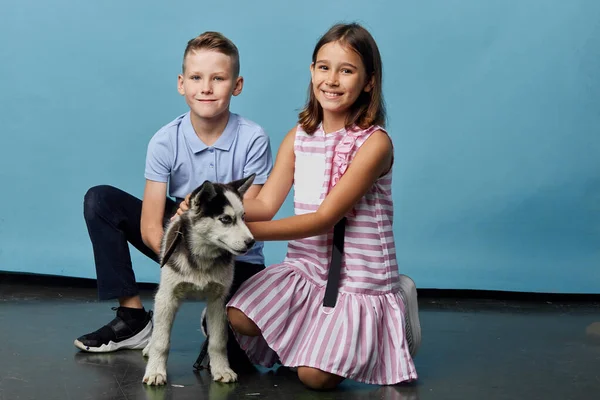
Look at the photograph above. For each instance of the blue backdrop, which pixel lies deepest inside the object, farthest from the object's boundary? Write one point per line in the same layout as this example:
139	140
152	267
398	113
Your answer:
494	108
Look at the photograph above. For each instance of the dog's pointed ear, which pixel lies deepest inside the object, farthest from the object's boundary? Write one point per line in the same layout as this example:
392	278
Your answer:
242	185
203	193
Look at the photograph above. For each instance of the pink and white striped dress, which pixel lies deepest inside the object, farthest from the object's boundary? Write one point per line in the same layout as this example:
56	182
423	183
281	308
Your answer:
362	337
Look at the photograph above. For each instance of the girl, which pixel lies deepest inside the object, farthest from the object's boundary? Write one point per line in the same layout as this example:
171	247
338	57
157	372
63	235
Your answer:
339	160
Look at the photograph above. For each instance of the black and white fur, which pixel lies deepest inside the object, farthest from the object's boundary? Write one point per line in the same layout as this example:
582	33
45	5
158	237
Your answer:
197	251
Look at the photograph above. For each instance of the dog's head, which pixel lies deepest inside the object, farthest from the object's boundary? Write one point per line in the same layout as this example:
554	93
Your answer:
217	214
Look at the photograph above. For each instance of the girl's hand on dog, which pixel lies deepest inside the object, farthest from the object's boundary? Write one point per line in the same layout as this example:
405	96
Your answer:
183	206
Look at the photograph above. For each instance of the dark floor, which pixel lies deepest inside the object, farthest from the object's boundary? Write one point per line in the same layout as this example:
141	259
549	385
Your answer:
472	349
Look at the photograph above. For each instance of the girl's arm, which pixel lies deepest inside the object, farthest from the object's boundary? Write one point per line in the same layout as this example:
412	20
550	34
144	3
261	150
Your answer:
372	160
265	205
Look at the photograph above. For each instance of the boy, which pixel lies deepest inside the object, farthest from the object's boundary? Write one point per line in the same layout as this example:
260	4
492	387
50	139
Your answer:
207	143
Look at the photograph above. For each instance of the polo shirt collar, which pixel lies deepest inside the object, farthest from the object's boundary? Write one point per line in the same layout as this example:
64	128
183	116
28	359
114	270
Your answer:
224	141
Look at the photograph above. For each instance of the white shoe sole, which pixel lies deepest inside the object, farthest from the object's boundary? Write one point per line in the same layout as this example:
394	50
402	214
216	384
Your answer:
409	290
136	342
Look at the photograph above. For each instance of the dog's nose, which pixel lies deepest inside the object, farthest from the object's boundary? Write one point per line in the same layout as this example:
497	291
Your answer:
249	243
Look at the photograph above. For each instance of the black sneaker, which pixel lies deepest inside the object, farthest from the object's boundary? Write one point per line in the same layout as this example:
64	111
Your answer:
131	329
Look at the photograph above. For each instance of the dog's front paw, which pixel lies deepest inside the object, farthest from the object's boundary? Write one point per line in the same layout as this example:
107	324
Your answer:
155	378
225	375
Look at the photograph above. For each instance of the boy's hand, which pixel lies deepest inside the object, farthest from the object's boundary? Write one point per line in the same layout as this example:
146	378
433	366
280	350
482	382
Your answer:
183	206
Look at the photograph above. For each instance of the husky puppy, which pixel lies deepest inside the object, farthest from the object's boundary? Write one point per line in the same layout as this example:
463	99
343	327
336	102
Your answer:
197	257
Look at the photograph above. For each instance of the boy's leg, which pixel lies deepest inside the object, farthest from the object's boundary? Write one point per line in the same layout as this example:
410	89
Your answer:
238	359
113	218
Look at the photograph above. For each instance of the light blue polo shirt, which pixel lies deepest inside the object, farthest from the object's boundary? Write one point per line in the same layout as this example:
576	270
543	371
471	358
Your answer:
176	155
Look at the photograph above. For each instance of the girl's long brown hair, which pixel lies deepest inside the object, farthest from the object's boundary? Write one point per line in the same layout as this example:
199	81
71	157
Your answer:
369	108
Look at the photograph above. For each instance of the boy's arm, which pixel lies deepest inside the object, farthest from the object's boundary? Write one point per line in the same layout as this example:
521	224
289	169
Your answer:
153	209
259	161
157	173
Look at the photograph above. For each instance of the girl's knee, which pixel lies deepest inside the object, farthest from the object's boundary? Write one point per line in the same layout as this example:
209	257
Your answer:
241	323
316	379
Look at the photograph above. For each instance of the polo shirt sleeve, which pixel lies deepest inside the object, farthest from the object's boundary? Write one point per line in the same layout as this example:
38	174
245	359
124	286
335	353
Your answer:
159	158
259	159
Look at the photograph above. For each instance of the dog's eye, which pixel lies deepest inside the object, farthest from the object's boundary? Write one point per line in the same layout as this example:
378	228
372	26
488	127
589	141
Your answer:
226	219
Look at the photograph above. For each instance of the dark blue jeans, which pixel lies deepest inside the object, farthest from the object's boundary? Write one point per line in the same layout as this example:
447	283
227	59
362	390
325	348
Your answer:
113	219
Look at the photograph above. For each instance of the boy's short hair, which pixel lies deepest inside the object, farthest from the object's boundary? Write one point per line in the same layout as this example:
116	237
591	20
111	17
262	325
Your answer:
214	41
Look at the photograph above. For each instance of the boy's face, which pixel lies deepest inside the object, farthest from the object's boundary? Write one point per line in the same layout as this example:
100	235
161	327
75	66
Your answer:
208	83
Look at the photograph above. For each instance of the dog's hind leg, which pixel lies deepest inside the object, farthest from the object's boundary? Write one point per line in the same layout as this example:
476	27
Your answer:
166	304
216	320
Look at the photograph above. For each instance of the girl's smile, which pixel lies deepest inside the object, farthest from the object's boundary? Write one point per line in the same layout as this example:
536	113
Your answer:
338	79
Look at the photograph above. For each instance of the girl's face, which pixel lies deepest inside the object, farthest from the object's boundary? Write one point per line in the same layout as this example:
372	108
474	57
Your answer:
338	78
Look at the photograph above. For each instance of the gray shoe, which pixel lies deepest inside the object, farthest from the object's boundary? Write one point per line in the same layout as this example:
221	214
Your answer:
412	326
